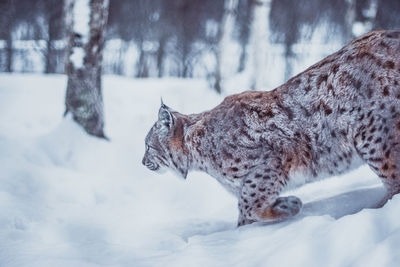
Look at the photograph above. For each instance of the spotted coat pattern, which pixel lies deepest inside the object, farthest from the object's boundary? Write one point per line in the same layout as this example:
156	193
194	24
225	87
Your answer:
340	113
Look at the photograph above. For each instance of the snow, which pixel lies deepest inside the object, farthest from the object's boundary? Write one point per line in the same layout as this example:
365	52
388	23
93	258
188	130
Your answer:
77	57
81	13
67	199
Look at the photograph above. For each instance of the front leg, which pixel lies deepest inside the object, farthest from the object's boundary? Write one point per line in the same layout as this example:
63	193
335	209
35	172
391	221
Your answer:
260	202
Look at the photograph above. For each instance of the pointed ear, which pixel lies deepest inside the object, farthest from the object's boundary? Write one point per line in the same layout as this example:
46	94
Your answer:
165	116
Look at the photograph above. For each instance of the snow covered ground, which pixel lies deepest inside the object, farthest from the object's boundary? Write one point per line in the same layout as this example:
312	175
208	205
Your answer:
67	199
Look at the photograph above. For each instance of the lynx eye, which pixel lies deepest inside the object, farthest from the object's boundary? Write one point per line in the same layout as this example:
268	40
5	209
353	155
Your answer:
148	147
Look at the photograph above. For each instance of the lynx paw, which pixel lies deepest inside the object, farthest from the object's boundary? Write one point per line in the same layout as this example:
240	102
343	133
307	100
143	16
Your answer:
285	207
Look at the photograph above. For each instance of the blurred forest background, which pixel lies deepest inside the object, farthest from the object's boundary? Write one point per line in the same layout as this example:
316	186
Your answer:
211	39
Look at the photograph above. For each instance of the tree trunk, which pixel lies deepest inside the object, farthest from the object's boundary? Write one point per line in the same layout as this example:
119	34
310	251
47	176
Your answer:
260	34
289	60
142	68
185	58
370	15
9	52
161	55
365	16
51	60
244	36
119	67
224	37
350	19
84	57
9	27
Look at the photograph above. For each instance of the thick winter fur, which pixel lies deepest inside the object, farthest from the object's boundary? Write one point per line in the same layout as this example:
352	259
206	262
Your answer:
340	113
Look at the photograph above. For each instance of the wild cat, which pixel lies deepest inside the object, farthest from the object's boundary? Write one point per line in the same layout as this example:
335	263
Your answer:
340	113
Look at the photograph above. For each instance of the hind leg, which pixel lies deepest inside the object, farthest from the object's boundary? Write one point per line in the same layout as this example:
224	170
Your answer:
389	170
379	146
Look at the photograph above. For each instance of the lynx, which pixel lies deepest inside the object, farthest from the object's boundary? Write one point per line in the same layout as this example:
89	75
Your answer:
338	114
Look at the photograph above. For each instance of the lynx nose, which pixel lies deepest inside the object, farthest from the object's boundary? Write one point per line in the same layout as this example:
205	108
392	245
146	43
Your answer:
149	164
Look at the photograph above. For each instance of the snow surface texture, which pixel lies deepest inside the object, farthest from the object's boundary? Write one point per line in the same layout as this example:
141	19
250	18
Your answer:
67	199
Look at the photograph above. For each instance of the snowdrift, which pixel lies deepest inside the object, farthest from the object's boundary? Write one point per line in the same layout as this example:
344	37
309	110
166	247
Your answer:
67	199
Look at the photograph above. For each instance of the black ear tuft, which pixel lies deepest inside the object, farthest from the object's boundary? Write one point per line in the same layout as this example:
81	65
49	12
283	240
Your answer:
165	115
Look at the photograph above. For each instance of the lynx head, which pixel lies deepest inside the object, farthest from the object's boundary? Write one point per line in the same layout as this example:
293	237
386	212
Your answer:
164	143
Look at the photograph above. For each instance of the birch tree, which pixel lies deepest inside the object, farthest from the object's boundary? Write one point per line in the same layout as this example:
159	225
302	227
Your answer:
350	19
7	24
225	37
243	18
259	42
85	24
52	12
365	17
